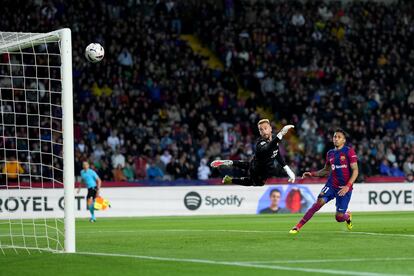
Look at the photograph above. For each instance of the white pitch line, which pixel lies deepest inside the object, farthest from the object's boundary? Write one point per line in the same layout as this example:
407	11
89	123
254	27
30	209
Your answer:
246	231
184	230
212	262
380	234
331	260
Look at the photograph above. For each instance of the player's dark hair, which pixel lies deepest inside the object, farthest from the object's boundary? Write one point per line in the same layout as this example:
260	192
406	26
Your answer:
342	131
274	191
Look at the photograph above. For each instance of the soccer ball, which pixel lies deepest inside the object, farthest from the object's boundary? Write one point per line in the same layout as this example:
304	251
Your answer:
94	52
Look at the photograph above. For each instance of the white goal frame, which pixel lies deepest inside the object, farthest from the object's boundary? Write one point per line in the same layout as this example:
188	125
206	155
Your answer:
25	40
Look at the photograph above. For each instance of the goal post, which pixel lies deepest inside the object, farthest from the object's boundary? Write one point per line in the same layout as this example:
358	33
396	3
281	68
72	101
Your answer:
68	151
36	140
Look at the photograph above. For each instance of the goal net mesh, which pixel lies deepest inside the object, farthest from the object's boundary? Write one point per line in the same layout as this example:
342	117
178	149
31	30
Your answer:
31	143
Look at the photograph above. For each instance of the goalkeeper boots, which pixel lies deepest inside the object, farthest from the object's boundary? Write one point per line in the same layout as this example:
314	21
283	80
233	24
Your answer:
218	163
227	180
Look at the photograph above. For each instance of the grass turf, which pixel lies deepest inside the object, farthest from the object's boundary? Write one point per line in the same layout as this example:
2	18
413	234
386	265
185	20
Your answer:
381	243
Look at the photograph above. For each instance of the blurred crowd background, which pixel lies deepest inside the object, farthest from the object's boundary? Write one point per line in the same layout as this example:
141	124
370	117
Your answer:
155	109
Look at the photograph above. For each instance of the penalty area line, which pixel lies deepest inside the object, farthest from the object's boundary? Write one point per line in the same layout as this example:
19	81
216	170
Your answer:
184	230
378	234
238	264
246	231
385	259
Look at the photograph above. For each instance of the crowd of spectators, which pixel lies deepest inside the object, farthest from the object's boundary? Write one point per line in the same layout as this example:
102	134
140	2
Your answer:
324	65
153	109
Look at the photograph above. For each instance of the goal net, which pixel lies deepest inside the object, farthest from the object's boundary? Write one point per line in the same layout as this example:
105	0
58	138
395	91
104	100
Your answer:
36	142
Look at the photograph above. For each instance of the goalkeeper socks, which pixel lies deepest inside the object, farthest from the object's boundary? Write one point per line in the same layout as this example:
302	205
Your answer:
309	214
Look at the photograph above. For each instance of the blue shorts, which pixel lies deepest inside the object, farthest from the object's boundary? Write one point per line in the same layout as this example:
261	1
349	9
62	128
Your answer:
328	193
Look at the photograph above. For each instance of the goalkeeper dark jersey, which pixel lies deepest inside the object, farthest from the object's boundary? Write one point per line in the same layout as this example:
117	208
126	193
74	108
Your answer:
267	152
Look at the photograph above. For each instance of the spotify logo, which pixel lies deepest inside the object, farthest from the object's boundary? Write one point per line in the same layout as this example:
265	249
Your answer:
192	201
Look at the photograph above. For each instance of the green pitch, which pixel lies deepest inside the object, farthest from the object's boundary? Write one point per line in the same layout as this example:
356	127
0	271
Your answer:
380	244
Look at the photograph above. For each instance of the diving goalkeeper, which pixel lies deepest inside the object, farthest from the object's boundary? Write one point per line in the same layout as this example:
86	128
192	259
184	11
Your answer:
263	163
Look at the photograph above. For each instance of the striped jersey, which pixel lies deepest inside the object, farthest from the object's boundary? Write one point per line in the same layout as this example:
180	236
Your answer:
340	162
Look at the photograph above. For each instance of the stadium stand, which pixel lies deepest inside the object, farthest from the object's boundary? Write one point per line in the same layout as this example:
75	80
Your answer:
154	109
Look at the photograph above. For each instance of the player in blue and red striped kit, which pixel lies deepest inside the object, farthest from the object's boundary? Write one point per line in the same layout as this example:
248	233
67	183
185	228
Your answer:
342	167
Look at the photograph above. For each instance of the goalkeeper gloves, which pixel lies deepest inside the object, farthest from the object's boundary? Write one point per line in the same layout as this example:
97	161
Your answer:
290	173
283	131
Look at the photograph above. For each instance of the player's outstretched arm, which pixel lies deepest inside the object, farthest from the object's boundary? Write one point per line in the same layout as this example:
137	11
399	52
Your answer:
287	169
272	145
290	173
284	131
345	189
321	173
355	172
306	174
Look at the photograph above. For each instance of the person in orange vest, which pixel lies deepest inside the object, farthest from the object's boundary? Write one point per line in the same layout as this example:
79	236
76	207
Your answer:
12	169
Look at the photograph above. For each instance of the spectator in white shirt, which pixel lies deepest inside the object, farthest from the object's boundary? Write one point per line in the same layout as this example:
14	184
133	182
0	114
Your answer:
82	146
298	19
203	171
408	166
125	58
98	152
113	140
118	159
166	157
324	12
